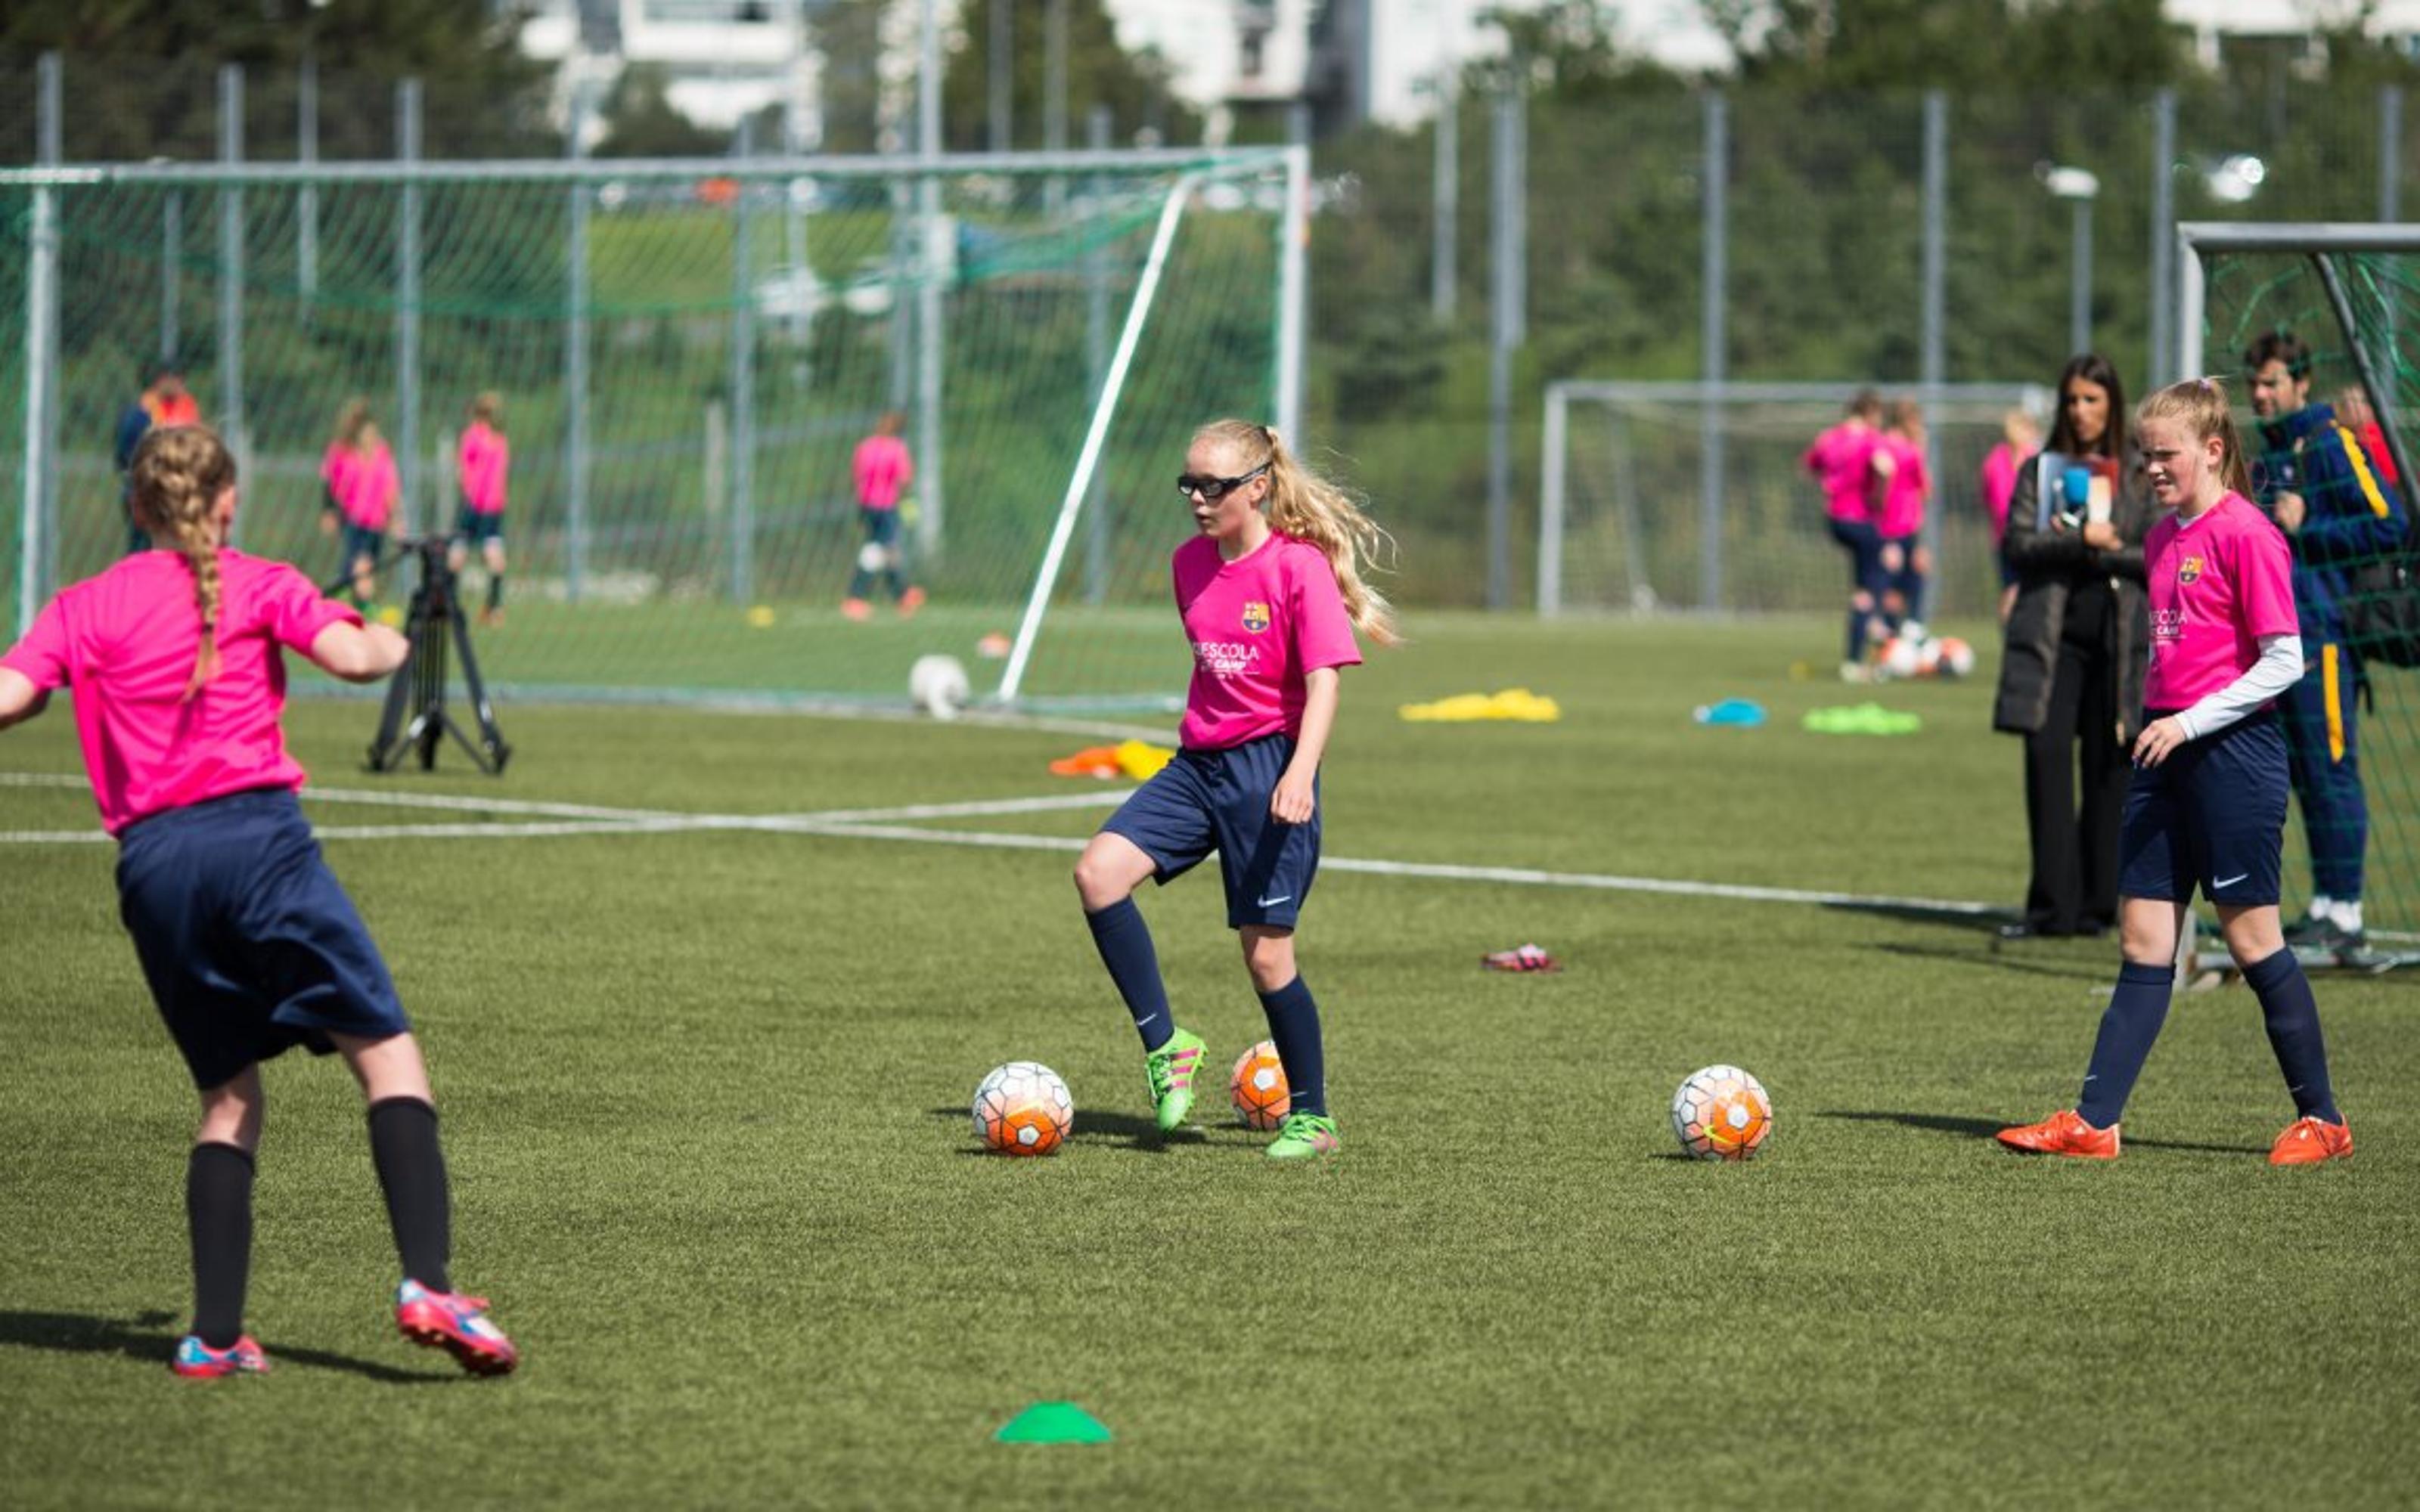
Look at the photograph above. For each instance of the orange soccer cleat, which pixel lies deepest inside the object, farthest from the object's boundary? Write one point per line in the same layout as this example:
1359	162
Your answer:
856	609
2309	1141
2064	1133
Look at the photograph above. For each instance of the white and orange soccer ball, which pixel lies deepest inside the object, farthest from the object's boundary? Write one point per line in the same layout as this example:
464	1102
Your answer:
1721	1112
1258	1086
1899	656
1023	1109
1951	656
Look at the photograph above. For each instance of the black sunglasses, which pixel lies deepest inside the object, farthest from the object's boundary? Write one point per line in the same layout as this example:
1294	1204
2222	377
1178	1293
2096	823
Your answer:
1214	490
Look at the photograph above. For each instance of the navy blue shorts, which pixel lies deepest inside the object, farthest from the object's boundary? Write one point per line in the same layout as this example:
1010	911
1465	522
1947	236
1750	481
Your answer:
361	541
1864	543
1218	800
881	525
250	945
2211	816
472	526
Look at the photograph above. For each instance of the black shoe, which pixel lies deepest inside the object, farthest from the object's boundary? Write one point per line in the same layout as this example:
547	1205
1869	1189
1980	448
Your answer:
2036	930
2309	931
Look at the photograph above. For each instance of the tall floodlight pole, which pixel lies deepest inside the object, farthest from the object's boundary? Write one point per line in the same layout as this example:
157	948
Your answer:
1003	82
1445	191
575	365
2163	363
2079	187
1931	364
406	303
1714	339
38	527
307	198
1511	247
230	405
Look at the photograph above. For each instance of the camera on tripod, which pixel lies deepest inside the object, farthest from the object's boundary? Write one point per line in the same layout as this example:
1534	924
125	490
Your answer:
415	717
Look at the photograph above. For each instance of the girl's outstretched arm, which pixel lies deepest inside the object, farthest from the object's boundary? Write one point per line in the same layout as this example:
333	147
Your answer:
20	699
1293	800
359	652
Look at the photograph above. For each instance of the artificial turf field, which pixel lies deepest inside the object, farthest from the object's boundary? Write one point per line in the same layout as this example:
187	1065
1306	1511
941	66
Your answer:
704	1092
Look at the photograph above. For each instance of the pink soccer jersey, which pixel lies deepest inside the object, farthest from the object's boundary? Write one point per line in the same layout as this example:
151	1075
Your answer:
123	643
2000	486
1904	494
2218	583
1842	458
1258	626
482	461
882	470
365	488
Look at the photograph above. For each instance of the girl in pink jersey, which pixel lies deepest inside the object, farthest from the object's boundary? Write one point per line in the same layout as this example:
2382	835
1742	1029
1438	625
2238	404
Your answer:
481	465
1907	487
881	469
2020	439
1270	590
363	485
247	942
1842	460
2207	806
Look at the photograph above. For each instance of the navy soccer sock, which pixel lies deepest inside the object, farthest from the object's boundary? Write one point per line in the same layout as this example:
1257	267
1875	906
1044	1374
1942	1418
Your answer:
1859	619
412	1173
218	1212
2291	1016
1294	1024
1123	940
495	590
2138	1007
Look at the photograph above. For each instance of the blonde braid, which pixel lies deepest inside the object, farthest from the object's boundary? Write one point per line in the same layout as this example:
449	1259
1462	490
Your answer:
178	474
1310	508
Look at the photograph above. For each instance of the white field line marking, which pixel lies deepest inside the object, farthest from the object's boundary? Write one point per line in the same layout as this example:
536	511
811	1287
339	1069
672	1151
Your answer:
875	823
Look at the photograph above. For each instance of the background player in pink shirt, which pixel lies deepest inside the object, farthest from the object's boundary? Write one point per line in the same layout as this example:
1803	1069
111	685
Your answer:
1842	460
248	943
2207	806
1907	487
482	463
881	470
2020	439
1270	590
363	485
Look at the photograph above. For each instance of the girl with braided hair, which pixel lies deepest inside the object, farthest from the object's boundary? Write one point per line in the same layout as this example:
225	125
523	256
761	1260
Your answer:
1271	591
247	942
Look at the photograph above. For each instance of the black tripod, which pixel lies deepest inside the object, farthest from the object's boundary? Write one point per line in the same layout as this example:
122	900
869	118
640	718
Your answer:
420	682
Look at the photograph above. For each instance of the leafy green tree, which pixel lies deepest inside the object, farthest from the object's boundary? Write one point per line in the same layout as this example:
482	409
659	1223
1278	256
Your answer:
1134	85
641	120
141	74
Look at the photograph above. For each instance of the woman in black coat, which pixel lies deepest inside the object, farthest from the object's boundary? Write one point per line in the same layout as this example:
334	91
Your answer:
2071	676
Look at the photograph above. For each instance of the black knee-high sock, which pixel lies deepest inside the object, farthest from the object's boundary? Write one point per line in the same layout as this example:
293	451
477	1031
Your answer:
218	1212
1294	1024
495	590
2291	1016
1123	940
412	1173
2138	1007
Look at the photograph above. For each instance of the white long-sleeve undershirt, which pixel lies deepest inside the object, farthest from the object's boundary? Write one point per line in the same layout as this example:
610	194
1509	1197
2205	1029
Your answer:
2280	667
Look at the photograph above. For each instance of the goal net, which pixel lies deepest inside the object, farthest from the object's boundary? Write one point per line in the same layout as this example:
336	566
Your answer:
2351	293
1691	496
687	355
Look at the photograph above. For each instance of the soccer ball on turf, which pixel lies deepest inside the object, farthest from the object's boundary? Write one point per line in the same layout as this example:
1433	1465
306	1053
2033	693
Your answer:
1023	1109
1900	656
1721	1112
1258	1086
938	685
1953	657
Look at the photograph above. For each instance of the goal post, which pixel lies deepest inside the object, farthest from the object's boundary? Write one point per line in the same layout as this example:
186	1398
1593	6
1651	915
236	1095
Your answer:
1688	496
2351	293
687	353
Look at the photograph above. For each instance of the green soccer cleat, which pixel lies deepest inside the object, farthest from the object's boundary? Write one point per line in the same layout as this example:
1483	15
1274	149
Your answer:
1169	1072
1304	1136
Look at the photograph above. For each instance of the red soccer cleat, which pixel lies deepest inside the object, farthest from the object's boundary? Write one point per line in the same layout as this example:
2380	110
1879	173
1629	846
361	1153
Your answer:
196	1360
910	602
2309	1141
458	1324
1521	958
2064	1133
856	609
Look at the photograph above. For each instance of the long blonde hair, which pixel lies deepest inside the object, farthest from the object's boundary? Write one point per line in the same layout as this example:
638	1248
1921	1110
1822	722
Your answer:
2201	406
1308	507
355	428
178	475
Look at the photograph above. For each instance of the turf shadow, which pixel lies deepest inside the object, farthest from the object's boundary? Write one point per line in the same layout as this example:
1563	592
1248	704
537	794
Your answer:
2095	969
135	1338
1986	1127
1140	1134
1965	918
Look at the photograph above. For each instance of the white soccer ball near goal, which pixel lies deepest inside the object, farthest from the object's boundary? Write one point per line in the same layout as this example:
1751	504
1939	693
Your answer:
938	685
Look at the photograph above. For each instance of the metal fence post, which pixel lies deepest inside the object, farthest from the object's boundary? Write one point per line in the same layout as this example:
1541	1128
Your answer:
1510	203
575	368
1097	365
37	530
2161	361
743	378
231	420
1934	298
1715	173
407	304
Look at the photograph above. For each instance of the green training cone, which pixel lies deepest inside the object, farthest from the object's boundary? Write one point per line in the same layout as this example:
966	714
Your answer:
1053	1423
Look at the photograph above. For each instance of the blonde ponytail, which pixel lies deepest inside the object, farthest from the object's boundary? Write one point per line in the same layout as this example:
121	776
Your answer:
1310	508
178	474
2201	406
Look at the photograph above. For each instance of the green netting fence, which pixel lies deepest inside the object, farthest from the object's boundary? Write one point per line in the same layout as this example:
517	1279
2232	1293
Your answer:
687	354
2272	278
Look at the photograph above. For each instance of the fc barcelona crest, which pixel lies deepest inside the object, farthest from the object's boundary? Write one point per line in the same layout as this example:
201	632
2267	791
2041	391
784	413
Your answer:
2189	570
1256	617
